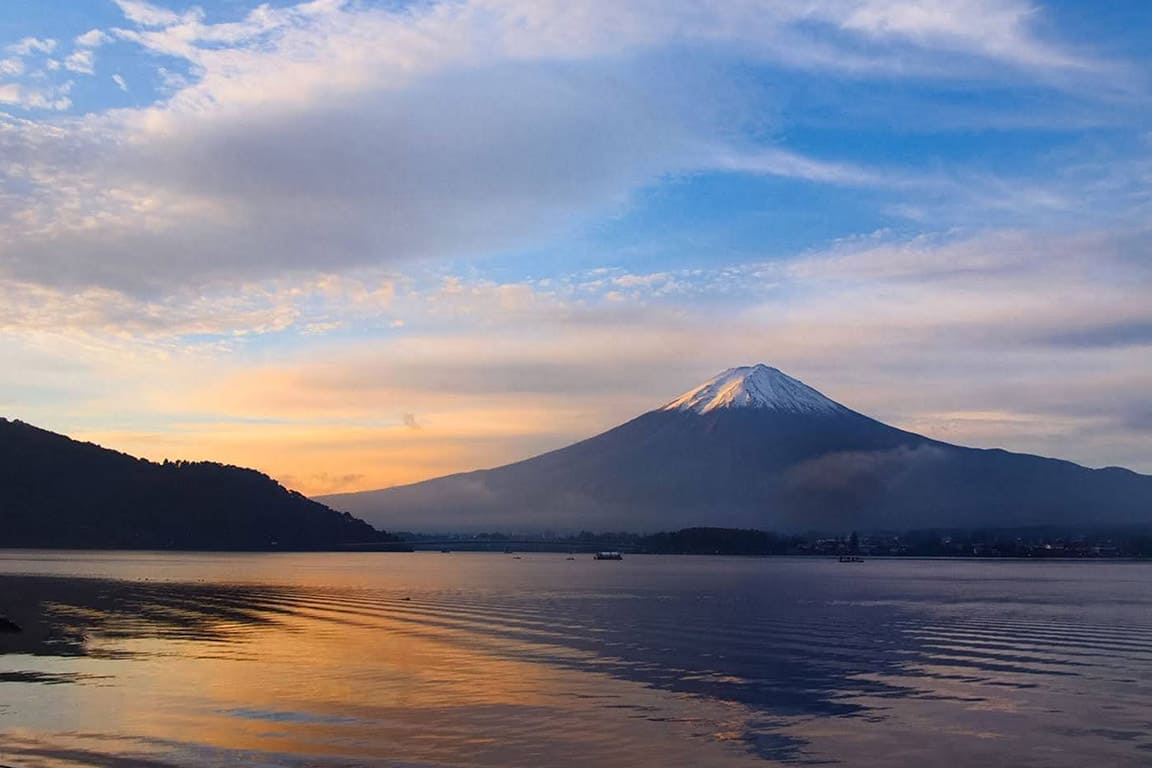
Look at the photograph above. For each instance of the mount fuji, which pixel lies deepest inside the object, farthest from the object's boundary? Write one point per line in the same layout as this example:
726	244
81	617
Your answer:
756	448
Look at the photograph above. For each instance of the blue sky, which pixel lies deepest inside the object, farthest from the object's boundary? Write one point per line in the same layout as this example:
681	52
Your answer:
357	243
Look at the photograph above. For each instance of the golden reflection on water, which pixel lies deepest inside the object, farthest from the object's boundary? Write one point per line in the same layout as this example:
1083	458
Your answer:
146	660
364	675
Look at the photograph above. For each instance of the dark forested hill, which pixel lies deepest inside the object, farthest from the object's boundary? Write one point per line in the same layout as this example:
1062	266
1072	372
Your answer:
58	492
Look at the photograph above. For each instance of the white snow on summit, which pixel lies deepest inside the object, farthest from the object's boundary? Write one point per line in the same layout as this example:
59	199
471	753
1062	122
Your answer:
754	386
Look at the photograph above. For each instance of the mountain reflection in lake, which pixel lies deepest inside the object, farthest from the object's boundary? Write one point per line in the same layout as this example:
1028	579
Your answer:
139	659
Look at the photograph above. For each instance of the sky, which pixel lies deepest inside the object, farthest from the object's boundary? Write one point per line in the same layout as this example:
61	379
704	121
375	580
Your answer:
357	243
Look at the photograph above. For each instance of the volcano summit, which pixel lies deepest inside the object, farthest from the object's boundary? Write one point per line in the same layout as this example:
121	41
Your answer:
756	448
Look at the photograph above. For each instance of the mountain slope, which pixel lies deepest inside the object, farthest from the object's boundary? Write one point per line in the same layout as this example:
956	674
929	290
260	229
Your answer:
57	492
754	447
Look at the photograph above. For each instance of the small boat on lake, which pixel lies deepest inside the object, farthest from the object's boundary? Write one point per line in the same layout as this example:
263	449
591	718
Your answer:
608	556
851	559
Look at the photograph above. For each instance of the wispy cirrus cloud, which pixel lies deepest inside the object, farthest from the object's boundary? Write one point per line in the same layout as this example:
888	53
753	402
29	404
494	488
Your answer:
32	45
151	15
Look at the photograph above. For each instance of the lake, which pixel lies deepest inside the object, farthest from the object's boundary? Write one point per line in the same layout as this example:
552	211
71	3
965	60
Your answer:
430	659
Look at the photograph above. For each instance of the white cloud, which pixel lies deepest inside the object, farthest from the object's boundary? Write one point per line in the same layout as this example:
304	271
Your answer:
93	38
777	162
32	97
82	61
149	15
32	45
473	161
998	29
120	83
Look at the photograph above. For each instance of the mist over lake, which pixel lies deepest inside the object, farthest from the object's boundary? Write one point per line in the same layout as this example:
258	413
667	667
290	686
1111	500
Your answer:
429	659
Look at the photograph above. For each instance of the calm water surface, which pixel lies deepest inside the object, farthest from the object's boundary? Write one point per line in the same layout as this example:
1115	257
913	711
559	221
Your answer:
142	659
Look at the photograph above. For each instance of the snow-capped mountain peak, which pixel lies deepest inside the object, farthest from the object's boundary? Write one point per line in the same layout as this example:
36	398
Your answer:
755	386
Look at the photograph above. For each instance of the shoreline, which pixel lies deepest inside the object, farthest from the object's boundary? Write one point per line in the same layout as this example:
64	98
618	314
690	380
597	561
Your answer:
582	554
